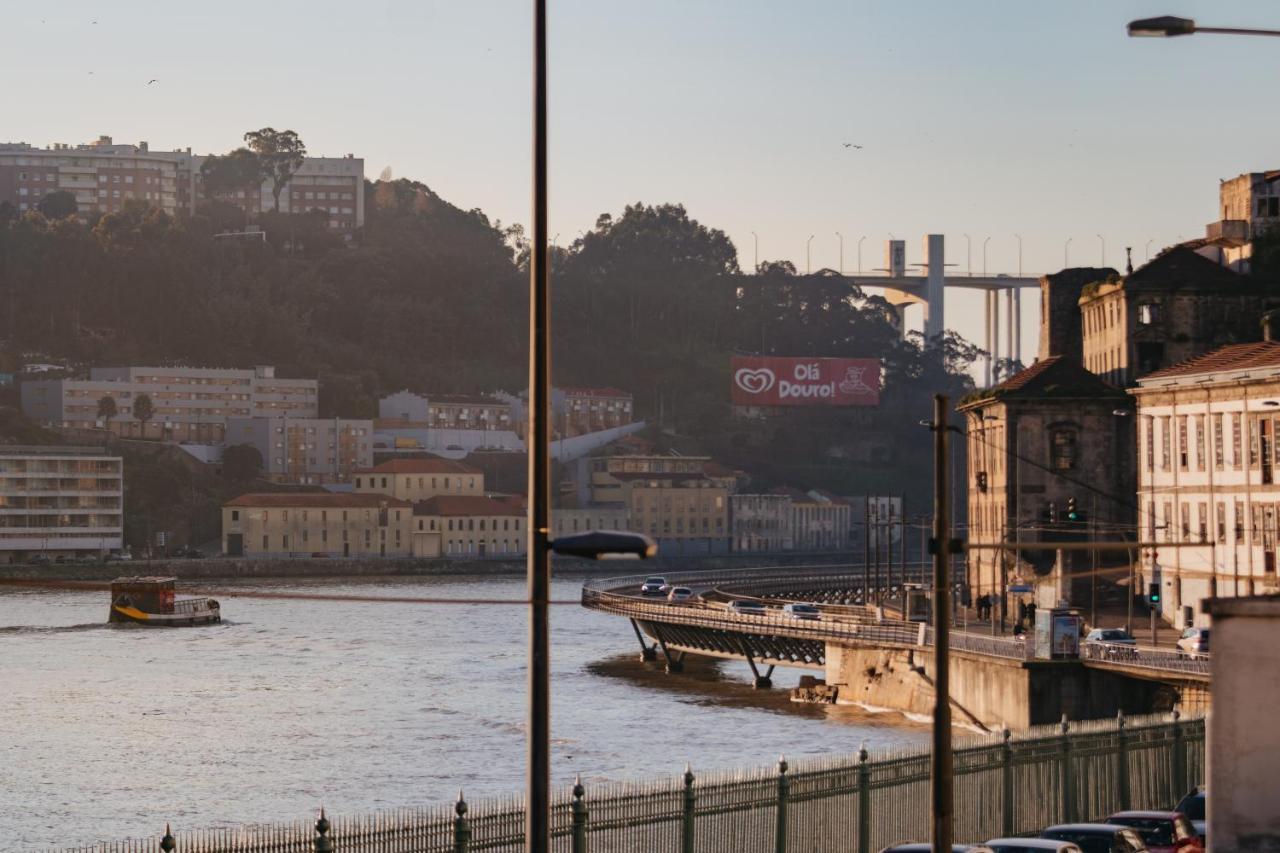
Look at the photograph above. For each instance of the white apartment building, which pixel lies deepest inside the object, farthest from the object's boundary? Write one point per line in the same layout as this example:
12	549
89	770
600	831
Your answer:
761	522
60	501
1207	477
310	451
188	403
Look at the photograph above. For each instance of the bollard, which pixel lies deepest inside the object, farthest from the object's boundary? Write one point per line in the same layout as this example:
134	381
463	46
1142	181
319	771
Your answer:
1006	784
323	843
461	829
167	844
1122	757
686	824
1065	775
864	801
579	817
784	786
1179	760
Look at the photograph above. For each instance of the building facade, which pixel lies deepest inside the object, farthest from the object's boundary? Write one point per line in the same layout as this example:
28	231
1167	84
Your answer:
103	176
60	502
761	522
594	409
820	521
1051	437
309	451
188	403
670	498
420	479
1176	307
471	526
1207	481
281	524
570	521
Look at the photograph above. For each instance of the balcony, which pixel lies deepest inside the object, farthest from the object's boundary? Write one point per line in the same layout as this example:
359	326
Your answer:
1233	232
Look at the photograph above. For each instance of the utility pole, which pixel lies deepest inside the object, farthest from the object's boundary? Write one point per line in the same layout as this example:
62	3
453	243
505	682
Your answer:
888	563
941	779
866	550
878	585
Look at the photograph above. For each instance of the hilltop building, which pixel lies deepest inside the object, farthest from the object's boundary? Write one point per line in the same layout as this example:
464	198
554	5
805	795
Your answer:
281	524
306	451
60	502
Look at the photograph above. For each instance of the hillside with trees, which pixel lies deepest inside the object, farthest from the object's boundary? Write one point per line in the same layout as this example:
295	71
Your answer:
432	297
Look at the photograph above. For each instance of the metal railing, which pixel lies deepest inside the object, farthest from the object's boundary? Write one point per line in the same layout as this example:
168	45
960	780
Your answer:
1005	784
1146	657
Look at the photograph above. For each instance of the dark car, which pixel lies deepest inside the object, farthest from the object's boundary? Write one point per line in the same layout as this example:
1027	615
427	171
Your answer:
1162	831
1192	805
1098	837
655	585
922	847
1031	845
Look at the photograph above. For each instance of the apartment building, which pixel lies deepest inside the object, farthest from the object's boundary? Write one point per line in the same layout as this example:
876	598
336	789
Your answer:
470	526
593	409
188	403
420	479
101	176
668	497
762	522
309	451
1049	435
60	501
820	521
568	521
1207	477
1176	307
301	523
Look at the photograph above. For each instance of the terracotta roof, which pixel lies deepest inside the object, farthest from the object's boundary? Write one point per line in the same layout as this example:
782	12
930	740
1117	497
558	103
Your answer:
453	505
1231	357
317	500
420	466
1180	266
1057	376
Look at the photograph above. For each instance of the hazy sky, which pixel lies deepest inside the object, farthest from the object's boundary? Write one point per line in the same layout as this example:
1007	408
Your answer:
987	118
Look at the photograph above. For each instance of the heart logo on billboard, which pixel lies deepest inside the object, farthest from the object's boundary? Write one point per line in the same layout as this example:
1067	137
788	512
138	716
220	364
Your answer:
755	381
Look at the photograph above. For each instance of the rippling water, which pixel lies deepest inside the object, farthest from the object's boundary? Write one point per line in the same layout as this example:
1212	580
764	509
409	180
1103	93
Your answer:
110	732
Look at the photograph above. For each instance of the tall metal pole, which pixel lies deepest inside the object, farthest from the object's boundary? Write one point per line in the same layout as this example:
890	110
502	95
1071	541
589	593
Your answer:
941	770
860	239
755	256
537	826
866	550
808	263
841	269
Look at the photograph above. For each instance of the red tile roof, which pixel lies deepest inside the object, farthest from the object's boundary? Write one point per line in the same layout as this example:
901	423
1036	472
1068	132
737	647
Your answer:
1057	376
454	505
317	500
1232	357
420	466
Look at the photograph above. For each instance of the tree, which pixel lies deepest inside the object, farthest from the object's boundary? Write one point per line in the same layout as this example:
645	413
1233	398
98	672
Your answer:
241	463
223	177
144	411
107	410
281	154
58	205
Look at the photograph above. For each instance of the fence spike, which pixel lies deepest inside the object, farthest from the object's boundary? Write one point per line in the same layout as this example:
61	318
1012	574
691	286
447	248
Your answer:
167	844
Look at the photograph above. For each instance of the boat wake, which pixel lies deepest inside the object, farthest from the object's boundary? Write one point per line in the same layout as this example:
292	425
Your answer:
52	629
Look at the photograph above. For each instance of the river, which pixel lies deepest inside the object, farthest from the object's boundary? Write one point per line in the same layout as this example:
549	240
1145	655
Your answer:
110	732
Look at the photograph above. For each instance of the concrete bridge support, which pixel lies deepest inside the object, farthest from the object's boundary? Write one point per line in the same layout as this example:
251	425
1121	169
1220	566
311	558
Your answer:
989	691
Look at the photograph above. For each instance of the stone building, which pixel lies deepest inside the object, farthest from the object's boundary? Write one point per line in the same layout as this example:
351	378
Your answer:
670	498
1060	309
420	479
761	522
1176	307
1207	477
469	526
1248	205
280	524
1051	436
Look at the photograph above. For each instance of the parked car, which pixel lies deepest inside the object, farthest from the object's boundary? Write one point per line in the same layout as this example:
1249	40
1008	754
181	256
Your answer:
681	595
1031	845
1098	837
1114	643
655	585
1162	831
1192	805
745	607
1194	642
922	847
801	610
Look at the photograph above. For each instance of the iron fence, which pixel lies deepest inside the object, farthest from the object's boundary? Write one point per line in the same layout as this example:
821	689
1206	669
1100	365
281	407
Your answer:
1005	784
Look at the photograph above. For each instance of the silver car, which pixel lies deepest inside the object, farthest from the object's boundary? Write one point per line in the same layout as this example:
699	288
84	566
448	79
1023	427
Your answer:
1195	642
1031	845
801	610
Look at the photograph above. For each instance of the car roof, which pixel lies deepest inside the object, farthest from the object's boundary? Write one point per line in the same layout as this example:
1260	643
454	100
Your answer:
1169	813
1041	843
1099	828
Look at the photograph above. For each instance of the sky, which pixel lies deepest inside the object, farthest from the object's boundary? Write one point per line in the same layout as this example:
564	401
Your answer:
990	119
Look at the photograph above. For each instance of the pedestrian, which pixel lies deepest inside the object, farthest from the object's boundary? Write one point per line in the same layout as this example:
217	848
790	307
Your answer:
1031	613
1022	612
984	606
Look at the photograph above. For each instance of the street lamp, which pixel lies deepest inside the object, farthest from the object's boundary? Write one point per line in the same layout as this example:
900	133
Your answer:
1066	253
860	239
968	256
984	256
755	256
808	266
1167	26
1103	243
840	269
1018	237
1149	242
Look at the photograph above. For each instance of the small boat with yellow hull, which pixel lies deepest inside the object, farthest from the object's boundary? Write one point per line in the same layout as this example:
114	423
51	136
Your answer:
151	601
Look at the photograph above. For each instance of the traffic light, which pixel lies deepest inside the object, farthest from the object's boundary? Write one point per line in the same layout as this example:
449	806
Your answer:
1051	513
1153	593
1072	513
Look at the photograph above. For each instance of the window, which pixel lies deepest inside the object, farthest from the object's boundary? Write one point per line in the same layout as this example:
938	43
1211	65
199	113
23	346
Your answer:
1062	450
1151	442
1221	517
1164	443
1168	521
1183	449
1185	521
1200	443
235	515
1217	442
1239	521
1235	440
1202	519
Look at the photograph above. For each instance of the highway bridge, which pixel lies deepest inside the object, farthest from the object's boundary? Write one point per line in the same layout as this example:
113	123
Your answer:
888	661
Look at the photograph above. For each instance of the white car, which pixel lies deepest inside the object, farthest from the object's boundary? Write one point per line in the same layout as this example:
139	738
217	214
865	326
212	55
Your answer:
681	595
1195	642
744	607
801	610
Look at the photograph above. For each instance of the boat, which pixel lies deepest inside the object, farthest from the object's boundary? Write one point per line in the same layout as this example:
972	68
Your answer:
151	601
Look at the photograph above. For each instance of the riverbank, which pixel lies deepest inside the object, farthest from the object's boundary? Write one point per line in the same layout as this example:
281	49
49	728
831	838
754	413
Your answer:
268	569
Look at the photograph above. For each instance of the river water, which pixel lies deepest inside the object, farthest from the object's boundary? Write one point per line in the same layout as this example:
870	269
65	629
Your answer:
110	732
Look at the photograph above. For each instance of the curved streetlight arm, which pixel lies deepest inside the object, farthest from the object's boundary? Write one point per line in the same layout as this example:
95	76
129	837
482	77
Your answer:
606	545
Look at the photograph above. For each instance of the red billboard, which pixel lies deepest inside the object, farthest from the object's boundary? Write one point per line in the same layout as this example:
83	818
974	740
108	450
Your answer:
775	381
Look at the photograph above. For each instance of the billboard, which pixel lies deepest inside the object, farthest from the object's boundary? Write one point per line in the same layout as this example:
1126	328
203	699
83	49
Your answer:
777	381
